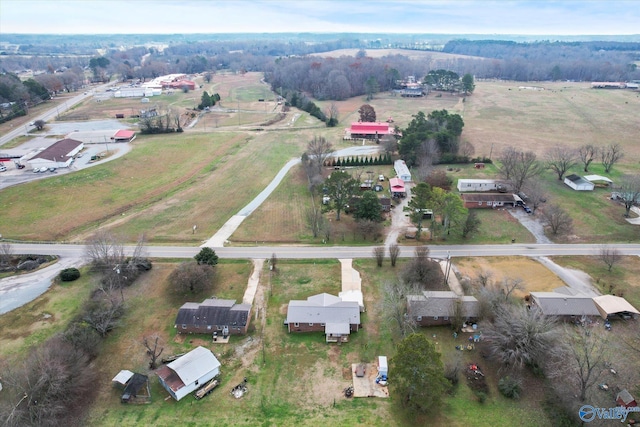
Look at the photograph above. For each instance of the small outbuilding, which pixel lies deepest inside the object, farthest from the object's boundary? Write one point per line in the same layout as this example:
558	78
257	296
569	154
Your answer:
578	183
383	367
625	399
609	305
189	372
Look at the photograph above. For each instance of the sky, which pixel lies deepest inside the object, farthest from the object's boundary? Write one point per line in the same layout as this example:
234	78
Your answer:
538	17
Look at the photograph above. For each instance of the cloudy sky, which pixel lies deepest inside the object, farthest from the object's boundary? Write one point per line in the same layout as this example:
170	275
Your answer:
538	17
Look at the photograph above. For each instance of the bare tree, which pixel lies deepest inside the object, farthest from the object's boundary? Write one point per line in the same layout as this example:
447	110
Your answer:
519	336
423	271
394	306
466	149
332	115
319	149
315	220
485	278
192	277
587	154
535	193
104	251
389	144
629	192
610	155
558	220
394	252
428	155
609	255
509	285
378	253
560	159
586	359
51	386
508	159
6	254
103	314
518	167
154	349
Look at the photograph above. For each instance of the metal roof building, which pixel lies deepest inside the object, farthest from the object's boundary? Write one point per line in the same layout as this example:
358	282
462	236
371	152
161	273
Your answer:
189	372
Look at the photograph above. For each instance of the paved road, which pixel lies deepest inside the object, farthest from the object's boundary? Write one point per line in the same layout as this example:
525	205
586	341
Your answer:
327	251
52	113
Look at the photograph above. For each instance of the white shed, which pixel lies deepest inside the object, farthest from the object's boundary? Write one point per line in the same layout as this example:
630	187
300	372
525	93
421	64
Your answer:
402	170
189	372
383	368
578	183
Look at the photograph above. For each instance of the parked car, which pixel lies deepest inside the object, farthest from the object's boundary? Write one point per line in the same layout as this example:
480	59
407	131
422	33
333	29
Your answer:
380	178
52	169
527	209
44	169
3	168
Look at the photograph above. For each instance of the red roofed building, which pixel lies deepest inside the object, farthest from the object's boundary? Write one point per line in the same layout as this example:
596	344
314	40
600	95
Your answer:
124	136
369	130
397	187
179	85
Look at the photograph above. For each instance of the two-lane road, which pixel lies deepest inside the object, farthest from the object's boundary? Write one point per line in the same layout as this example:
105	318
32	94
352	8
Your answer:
311	252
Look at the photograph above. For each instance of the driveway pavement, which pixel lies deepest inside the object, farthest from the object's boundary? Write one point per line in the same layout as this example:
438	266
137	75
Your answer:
16	291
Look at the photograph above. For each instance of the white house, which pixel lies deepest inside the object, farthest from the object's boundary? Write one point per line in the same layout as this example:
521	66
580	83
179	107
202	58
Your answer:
477	185
58	155
578	183
402	170
189	372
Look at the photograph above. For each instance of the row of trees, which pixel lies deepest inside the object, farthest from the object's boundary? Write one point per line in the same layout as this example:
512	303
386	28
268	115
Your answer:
55	383
18	96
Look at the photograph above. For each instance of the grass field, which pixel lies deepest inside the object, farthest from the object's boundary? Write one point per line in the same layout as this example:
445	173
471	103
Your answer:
169	183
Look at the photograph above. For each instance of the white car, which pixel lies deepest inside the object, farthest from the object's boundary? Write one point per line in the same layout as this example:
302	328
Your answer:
380	178
3	168
44	169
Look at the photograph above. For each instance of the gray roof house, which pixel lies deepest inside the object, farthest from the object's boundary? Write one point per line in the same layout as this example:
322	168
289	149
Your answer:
439	307
213	315
189	372
564	304
325	313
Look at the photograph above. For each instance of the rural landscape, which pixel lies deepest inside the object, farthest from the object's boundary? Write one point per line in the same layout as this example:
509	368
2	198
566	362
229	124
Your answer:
514	303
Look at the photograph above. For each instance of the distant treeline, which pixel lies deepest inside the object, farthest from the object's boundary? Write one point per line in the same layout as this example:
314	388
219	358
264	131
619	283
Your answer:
539	61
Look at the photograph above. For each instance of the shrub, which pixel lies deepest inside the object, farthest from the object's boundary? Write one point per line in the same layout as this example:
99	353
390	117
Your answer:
510	387
481	396
69	274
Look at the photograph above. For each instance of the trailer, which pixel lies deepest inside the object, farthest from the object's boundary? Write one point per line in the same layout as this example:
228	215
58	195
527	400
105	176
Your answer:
207	388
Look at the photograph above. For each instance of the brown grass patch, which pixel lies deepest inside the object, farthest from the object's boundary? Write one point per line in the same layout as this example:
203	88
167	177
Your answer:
535	276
